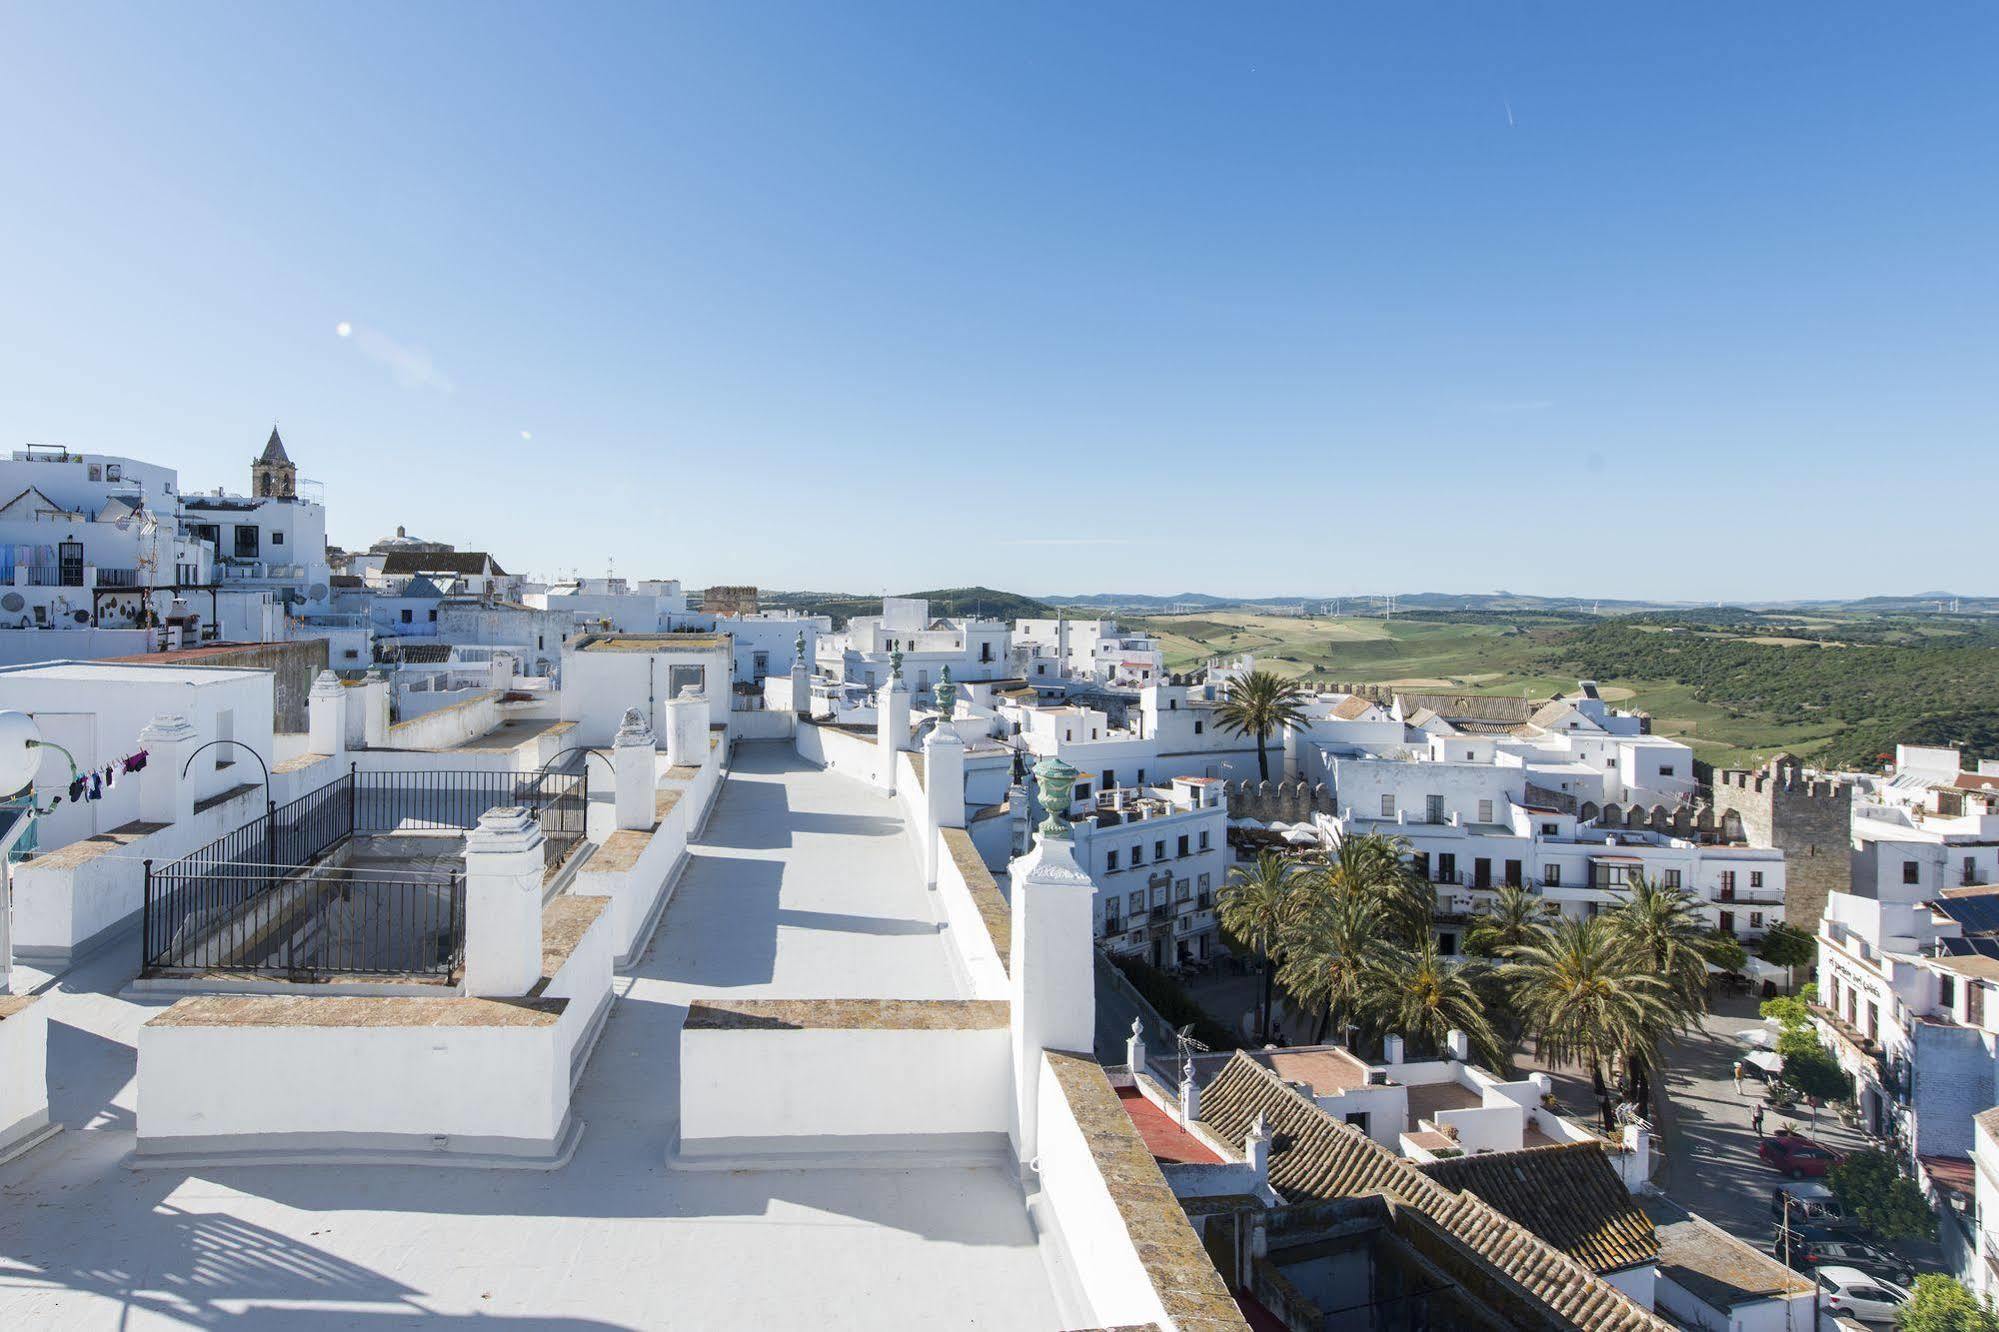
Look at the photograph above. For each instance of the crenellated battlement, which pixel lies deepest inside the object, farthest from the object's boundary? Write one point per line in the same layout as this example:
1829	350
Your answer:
1278	802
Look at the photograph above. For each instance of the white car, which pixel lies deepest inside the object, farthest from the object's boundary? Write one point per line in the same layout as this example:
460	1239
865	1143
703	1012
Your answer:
1850	1291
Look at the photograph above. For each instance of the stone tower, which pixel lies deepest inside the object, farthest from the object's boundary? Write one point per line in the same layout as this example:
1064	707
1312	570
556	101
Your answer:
273	475
1809	819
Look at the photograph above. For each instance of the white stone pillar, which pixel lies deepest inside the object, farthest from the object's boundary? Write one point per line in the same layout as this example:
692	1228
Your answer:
164	795
1053	966
686	729
801	678
1134	1047
503	868
326	716
1391	1050
1190	1093
1256	1147
891	725
943	789
1458	1045
632	766
375	711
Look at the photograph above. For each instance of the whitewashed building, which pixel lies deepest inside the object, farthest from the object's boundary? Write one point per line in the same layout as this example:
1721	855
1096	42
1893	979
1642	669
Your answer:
1157	855
974	649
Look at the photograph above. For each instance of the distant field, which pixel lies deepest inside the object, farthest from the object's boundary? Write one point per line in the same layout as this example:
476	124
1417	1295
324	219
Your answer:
1482	655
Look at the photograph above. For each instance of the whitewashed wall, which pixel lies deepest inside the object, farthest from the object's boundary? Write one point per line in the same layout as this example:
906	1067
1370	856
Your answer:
259	1088
979	960
24	1085
745	1093
448	726
1091	1229
855	756
635	892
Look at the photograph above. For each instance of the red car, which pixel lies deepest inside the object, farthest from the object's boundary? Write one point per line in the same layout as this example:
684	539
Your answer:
1797	1156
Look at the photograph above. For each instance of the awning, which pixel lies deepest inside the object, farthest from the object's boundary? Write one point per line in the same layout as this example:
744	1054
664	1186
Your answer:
1768	1060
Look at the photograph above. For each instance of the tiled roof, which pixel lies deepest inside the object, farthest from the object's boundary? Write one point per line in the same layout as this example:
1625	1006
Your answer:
1713	1266
1354	708
1316	1158
1471	707
274	449
1568	1195
1552	711
441	561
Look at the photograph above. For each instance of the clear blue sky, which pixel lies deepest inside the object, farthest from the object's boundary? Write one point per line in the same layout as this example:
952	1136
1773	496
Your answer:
1619	300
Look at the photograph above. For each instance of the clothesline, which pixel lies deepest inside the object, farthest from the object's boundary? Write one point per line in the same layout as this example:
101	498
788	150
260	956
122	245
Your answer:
91	784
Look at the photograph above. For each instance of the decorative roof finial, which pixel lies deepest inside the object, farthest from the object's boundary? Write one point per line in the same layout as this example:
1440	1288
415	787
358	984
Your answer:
947	693
895	663
1056	780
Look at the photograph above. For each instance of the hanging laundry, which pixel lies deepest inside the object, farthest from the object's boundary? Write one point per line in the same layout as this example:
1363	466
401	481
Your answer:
75	789
136	762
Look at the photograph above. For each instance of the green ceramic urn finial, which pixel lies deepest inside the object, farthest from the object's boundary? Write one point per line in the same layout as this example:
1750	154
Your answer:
1056	780
947	693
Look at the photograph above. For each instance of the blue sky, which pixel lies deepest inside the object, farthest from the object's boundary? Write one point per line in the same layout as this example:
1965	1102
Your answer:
1688	301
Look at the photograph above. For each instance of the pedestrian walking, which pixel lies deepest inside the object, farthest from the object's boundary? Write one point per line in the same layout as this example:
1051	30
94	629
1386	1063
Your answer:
1738	1077
1756	1120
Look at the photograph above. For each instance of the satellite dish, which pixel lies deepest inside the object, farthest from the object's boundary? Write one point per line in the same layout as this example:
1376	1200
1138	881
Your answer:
19	756
81	617
317	592
13	601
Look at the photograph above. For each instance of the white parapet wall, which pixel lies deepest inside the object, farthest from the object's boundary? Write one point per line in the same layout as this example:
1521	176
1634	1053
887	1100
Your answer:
779	1082
636	870
857	756
24	1074
287	1078
978	921
1105	1203
448	1080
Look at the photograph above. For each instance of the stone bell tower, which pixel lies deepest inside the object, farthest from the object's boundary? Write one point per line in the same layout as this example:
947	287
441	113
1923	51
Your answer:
273	475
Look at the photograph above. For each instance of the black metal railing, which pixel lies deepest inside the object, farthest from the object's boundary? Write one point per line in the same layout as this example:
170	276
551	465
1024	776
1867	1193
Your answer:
417	801
320	921
258	900
204	891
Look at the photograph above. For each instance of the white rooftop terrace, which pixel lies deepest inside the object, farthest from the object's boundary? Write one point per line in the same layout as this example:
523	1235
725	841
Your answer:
802	886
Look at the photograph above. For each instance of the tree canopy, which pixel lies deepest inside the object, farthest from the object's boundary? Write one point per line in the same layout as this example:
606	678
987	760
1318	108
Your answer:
1876	1193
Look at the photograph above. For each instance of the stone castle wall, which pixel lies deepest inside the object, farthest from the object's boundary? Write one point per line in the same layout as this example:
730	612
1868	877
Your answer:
1809	819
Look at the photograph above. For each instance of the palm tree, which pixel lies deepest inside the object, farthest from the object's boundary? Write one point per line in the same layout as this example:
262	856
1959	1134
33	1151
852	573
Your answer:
1336	957
1261	704
1662	931
1513	918
1425	996
1374	867
1585	998
1256	906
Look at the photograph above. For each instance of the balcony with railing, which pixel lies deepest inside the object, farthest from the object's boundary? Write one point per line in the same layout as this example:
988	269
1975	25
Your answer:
362	877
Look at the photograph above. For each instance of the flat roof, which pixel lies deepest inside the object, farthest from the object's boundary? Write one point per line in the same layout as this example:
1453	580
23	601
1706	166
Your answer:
652	642
802	889
116	672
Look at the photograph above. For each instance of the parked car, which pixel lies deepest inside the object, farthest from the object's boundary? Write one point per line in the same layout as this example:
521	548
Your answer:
1810	1203
1796	1155
1851	1292
1814	1247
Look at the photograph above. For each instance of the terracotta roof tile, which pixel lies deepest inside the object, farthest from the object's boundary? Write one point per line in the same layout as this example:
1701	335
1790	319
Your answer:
1316	1158
1569	1195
